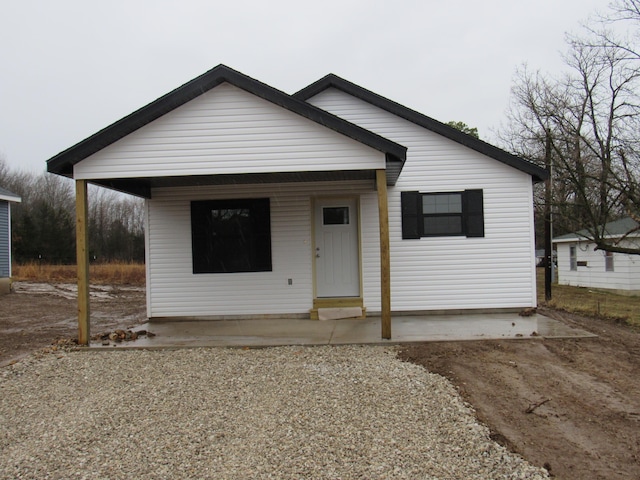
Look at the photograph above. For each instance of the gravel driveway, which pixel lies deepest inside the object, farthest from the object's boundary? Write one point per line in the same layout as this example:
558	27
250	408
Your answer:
289	412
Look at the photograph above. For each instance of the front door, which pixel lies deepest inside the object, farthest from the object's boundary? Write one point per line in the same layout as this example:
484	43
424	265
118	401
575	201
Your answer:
337	257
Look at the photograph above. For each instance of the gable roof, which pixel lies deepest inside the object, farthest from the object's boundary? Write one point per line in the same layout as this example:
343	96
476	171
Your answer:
334	81
9	196
617	228
63	162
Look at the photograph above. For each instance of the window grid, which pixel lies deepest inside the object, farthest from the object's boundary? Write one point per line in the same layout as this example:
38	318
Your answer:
442	214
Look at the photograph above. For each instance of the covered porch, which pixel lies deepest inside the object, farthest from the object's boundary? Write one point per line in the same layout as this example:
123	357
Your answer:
373	185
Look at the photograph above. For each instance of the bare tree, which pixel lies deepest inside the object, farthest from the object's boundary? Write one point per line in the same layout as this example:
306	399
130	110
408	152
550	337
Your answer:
43	226
4	170
591	119
116	230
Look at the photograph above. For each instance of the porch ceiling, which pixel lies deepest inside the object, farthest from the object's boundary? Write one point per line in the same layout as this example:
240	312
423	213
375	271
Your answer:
142	186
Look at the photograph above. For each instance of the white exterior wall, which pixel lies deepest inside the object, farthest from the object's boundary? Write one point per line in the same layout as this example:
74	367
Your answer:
625	275
633	262
444	273
223	131
173	290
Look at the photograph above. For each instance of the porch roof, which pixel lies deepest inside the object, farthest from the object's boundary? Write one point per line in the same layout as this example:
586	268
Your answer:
63	163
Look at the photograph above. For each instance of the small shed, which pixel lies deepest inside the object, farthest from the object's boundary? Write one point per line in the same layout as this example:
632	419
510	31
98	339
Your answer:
6	198
581	265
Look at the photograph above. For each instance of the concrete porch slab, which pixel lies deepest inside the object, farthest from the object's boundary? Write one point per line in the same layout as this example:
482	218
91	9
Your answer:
404	329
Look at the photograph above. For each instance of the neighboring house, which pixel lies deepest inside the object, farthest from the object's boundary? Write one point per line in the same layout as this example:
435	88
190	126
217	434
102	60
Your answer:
6	198
264	203
579	264
541	258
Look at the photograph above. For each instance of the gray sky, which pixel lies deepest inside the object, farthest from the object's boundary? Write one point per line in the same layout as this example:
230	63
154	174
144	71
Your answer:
70	67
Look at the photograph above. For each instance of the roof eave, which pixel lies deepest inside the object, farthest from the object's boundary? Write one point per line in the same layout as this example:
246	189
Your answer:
8	196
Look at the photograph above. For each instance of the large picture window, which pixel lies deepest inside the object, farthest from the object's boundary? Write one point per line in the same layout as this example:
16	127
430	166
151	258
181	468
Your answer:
442	214
231	235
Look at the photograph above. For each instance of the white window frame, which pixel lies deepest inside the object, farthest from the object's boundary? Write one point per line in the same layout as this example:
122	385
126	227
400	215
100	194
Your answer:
608	262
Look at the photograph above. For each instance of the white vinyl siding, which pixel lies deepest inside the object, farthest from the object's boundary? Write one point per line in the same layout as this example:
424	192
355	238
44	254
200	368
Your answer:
445	273
227	131
174	291
5	240
624	277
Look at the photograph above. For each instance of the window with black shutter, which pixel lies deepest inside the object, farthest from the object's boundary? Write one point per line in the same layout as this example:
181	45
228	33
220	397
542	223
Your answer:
442	214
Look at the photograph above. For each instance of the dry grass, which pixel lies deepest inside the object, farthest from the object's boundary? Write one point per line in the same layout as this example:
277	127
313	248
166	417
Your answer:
103	274
572	299
591	302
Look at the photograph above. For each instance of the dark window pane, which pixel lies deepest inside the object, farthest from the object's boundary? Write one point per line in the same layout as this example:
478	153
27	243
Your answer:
231	236
443	225
335	215
441	203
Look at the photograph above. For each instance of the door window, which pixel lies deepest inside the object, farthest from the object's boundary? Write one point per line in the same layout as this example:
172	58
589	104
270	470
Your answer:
335	215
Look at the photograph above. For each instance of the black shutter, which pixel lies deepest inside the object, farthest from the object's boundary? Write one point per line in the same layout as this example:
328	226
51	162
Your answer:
473	213
411	214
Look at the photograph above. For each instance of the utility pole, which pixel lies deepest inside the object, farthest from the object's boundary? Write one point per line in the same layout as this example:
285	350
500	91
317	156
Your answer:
548	249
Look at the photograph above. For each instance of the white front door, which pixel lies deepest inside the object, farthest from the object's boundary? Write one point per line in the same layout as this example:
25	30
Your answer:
337	248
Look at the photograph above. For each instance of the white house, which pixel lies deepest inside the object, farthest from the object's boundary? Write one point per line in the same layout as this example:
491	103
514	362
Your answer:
579	264
263	203
6	198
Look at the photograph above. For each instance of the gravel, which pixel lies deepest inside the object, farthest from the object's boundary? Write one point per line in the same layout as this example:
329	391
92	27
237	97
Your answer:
287	412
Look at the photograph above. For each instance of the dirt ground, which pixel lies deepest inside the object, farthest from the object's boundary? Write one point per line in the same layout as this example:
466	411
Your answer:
38	314
587	424
583	394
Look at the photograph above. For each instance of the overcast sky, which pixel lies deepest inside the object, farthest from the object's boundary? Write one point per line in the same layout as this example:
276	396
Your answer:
71	67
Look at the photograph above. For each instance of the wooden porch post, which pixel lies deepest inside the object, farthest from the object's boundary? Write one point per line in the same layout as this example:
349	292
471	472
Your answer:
82	257
385	257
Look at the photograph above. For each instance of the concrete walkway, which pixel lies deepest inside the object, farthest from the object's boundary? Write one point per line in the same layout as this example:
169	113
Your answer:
404	329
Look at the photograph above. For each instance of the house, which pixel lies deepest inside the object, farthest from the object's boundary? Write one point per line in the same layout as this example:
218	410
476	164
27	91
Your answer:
541	258
6	198
333	199
581	265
